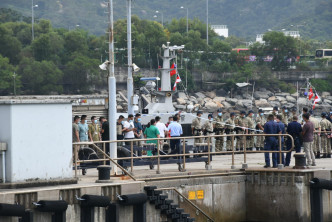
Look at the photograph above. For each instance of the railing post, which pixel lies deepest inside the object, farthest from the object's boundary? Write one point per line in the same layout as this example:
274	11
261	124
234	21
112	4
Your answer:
233	164
75	161
104	149
158	154
245	165
131	156
208	166
280	165
184	152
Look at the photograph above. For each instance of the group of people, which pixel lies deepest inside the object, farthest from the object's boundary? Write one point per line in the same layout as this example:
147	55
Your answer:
314	135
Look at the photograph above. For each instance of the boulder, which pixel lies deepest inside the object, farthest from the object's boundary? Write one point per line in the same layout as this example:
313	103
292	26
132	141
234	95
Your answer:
261	103
200	101
219	99
260	95
302	101
283	103
282	94
280	98
181	101
328	97
200	95
182	95
274	103
325	94
290	99
272	98
219	104
239	97
232	101
211	94
118	107
226	105
211	106
207	99
295	95
221	92
327	101
246	103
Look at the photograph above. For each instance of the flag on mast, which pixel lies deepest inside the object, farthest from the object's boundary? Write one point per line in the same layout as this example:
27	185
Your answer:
316	100
311	94
178	79
173	71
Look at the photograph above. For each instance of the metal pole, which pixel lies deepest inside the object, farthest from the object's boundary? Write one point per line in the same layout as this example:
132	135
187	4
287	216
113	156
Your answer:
14	83
130	85
111	90
162	19
32	21
207	22
187	20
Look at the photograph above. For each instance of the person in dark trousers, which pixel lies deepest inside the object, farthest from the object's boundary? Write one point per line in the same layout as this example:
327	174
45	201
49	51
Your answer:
294	129
175	131
308	138
281	126
271	142
105	134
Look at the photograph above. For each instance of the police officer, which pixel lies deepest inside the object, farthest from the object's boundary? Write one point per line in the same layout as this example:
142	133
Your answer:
208	127
325	126
241	126
271	142
275	111
229	129
293	113
196	127
284	115
294	129
251	126
260	121
219	130
316	143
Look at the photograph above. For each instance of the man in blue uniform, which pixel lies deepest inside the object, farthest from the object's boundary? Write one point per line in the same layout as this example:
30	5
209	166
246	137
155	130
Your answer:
271	142
294	129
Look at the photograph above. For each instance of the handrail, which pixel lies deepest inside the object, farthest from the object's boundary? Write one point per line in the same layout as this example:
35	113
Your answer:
184	155
190	202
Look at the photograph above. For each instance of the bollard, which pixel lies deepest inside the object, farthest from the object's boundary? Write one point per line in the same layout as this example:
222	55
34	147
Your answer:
104	173
56	207
316	200
88	203
300	161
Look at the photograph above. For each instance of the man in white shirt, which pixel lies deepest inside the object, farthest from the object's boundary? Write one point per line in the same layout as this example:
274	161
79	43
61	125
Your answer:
162	130
129	128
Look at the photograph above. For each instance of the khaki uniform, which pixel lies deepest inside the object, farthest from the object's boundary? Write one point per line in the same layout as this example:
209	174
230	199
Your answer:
290	118
208	127
229	129
196	124
284	117
260	139
219	129
325	126
316	143
240	122
251	125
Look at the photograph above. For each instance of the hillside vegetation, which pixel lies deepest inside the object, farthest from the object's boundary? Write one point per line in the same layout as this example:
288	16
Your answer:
243	18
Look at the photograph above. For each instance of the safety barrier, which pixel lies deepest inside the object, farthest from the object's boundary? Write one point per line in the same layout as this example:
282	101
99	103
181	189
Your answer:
183	155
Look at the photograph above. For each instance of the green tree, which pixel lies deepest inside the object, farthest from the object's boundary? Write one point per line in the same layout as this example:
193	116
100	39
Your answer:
10	47
6	77
40	77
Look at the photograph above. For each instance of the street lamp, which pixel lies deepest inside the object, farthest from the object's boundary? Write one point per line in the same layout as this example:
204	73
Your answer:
187	16
162	17
207	22
32	19
14	76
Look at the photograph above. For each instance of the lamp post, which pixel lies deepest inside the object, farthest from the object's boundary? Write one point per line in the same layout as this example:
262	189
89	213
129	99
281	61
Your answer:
207	22
32	19
187	16
297	29
14	76
162	17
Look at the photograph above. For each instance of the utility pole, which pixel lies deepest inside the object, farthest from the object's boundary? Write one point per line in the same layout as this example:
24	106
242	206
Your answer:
111	88
130	83
32	19
207	22
14	76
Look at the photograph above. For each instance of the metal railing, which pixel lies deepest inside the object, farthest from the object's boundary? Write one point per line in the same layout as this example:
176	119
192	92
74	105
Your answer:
182	155
200	215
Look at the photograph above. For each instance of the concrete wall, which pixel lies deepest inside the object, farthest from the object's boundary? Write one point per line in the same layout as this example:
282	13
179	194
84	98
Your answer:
39	139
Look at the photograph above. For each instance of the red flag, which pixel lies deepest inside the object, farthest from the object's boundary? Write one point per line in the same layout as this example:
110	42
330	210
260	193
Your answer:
173	71
316	100
311	94
178	79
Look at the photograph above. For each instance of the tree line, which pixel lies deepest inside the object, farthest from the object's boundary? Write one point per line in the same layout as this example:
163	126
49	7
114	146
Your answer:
60	60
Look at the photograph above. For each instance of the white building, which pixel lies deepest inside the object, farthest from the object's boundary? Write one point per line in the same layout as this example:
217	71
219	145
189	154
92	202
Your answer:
294	34
259	38
221	30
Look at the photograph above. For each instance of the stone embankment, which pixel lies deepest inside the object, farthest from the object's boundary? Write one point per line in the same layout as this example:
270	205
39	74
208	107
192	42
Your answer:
211	101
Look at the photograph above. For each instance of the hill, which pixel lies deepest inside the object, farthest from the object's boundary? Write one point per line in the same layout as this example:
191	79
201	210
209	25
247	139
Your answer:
243	18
